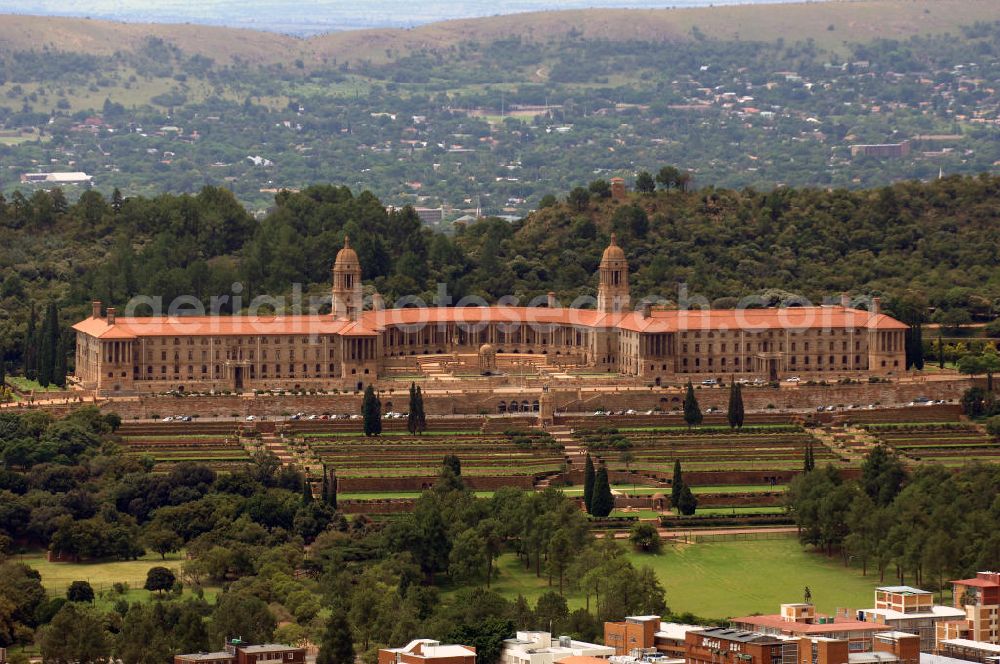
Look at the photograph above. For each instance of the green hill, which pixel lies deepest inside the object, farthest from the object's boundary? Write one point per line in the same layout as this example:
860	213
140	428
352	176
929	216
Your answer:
830	24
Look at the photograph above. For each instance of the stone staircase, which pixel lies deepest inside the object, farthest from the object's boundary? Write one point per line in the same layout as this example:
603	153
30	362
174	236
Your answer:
851	442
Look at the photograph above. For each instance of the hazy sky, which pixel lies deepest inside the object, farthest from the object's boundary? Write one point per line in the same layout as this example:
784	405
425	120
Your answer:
312	16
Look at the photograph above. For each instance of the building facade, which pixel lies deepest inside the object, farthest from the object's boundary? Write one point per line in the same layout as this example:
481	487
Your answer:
354	346
911	610
427	651
979	597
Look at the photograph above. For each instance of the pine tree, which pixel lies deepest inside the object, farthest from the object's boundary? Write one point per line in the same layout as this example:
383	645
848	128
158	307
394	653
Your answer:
337	646
371	410
735	412
692	411
589	475
677	485
602	502
30	348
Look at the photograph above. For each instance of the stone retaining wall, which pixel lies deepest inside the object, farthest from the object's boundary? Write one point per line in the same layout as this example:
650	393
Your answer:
787	396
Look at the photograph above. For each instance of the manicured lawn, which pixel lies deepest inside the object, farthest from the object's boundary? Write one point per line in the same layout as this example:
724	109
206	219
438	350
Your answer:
56	577
724	579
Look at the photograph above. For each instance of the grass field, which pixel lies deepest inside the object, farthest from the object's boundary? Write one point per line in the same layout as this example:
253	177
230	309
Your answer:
26	385
725	579
56	577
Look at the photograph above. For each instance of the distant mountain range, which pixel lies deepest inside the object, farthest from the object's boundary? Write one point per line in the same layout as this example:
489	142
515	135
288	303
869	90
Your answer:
319	16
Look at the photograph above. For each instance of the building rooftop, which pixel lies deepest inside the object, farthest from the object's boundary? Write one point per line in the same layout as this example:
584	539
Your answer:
371	322
874	657
775	621
895	634
937	611
206	656
675	631
267	647
978	582
738	635
904	590
977	645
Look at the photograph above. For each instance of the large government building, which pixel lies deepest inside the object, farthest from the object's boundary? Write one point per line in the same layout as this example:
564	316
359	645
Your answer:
352	347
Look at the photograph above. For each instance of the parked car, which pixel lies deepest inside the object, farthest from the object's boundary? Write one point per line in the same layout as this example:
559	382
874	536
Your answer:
168	418
251	418
793	379
709	381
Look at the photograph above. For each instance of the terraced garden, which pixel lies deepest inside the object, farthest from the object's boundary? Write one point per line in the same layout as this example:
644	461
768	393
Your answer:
654	449
947	443
212	443
403	455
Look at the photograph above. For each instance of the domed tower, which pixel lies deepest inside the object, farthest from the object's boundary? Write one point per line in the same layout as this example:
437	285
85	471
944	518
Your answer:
612	292
347	299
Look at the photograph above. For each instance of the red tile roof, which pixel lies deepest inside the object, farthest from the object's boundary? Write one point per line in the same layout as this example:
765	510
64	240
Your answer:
372	322
977	583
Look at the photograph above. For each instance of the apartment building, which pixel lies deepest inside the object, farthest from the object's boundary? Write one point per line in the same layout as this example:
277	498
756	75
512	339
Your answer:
541	648
645	633
801	620
911	610
427	651
237	651
979	598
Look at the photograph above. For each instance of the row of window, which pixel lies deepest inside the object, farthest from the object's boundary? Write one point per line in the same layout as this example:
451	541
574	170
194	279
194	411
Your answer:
723	347
769	334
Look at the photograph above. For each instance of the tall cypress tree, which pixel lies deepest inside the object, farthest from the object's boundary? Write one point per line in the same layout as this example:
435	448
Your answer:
809	463
421	416
677	485
692	411
940	350
411	416
588	482
325	493
59	371
331	492
371	411
48	343
30	345
735	411
602	502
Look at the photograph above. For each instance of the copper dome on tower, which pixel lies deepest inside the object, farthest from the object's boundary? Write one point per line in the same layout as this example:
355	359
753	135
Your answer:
346	256
613	252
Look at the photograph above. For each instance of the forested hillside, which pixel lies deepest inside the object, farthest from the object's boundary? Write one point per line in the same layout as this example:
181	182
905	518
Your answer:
490	116
929	248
